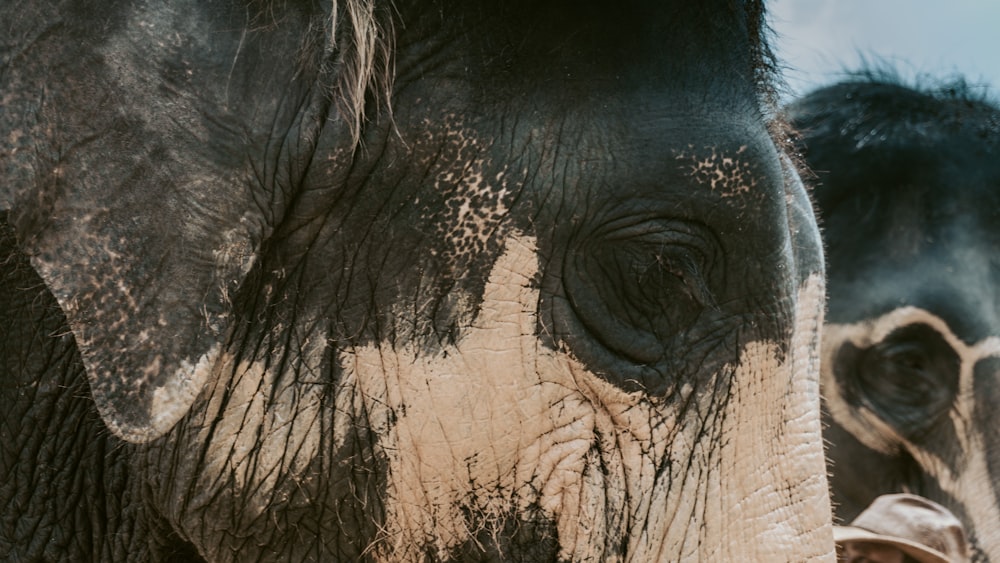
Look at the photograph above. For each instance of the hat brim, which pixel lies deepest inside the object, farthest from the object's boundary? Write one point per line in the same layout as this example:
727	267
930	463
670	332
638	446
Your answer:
915	550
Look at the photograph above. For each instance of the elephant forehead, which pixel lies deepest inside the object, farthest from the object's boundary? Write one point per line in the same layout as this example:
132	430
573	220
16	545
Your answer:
501	424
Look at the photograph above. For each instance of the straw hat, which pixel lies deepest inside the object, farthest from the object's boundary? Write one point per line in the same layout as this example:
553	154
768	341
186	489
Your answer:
924	530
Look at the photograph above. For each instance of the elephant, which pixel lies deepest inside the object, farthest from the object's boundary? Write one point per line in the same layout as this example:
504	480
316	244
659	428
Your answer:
907	189
426	280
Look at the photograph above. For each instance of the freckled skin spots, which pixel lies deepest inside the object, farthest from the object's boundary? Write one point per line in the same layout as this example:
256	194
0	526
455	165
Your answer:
728	175
474	205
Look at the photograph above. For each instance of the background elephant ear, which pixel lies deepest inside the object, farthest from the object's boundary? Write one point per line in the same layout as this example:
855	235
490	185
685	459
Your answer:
143	270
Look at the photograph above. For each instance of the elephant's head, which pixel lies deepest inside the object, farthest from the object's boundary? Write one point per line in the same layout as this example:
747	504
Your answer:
433	280
908	188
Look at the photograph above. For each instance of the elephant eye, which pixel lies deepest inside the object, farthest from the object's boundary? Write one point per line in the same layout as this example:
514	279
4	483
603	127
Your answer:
635	287
656	269
910	378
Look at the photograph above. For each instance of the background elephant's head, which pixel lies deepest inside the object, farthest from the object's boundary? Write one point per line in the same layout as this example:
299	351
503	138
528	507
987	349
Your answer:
908	188
429	280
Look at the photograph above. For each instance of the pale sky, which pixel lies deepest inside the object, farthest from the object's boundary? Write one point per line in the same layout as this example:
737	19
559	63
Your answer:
818	39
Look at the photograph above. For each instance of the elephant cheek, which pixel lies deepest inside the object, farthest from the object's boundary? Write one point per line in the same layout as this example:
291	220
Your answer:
490	429
786	448
755	489
499	427
256	430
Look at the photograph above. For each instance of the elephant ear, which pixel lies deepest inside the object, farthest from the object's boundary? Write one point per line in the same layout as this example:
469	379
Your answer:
143	260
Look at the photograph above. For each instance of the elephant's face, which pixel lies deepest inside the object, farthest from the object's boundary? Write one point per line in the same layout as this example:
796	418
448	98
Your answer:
561	300
909	191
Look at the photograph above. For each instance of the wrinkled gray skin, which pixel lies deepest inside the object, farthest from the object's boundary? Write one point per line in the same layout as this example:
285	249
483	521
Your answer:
438	280
908	189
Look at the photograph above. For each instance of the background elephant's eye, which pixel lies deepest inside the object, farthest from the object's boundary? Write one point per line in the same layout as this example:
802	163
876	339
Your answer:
910	379
636	287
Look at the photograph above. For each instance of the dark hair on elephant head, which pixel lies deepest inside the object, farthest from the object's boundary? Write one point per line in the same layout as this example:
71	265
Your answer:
360	42
877	105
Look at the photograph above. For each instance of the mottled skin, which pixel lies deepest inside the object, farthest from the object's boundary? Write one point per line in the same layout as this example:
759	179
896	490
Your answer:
440	280
908	189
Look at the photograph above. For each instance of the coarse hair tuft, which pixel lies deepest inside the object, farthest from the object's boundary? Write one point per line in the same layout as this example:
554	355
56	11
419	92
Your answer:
359	50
